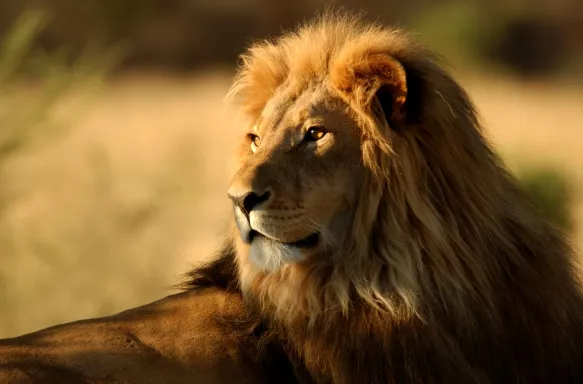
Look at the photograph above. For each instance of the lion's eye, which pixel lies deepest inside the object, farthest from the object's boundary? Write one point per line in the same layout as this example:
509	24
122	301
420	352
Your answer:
255	141
315	134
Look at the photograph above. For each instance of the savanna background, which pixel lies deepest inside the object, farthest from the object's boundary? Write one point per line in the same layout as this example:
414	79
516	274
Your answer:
115	141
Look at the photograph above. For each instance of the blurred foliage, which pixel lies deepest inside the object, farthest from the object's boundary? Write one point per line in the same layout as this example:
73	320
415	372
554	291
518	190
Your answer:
551	191
531	38
455	29
24	116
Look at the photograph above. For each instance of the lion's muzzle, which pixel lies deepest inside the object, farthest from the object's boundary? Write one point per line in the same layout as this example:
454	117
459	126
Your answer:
243	204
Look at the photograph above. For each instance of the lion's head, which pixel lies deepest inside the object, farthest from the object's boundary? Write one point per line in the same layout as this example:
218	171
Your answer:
365	178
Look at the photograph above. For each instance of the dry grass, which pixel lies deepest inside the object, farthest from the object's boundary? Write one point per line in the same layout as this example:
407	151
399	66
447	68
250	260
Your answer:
111	214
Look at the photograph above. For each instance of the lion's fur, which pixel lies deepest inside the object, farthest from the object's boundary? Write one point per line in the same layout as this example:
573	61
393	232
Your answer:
201	336
450	275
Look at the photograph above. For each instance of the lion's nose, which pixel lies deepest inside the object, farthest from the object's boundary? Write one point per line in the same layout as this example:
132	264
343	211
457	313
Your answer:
247	201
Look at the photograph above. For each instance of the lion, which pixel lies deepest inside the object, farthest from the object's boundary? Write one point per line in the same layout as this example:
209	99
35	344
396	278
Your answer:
379	237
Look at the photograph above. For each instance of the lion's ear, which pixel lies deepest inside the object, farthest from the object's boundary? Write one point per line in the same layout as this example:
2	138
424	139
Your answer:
376	78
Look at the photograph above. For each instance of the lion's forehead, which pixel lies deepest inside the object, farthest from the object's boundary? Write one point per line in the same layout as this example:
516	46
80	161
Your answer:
289	108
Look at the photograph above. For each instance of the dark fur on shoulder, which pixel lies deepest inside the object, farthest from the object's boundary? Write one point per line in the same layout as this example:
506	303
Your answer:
220	271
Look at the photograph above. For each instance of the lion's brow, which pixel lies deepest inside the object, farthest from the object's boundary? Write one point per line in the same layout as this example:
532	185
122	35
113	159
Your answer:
278	113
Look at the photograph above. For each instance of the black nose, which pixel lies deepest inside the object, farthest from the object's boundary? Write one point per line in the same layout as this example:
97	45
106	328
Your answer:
249	201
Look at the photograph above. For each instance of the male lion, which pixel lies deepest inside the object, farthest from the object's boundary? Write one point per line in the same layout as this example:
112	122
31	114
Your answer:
379	240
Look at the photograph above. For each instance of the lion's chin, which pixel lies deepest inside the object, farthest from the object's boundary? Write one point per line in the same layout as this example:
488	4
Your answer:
310	241
270	255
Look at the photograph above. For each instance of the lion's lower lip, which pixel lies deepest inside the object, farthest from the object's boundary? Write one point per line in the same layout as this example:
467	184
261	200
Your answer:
307	242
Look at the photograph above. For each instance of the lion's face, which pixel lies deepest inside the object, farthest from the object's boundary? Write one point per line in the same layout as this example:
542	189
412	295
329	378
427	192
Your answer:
295	192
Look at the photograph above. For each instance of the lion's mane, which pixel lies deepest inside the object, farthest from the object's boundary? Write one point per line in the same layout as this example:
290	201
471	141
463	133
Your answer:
450	275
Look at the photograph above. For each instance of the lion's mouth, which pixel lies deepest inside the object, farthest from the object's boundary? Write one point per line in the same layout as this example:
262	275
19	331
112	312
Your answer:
307	242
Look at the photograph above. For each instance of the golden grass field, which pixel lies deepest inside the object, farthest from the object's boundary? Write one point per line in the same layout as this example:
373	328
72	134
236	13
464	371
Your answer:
111	212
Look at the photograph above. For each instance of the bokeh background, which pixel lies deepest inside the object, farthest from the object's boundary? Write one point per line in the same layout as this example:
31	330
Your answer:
114	138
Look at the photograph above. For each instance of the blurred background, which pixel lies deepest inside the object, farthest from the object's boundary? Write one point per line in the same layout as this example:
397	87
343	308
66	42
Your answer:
114	137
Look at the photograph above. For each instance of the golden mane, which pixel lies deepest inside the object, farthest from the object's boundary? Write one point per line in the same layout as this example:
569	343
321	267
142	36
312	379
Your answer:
429	196
447	263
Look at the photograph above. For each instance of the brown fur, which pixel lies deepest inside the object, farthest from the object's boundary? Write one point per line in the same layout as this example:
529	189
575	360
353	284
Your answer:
201	336
448	274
